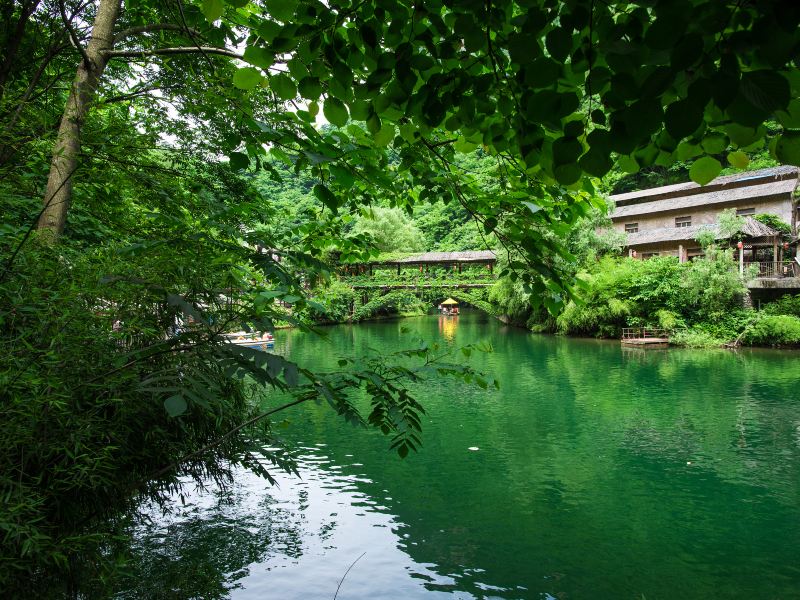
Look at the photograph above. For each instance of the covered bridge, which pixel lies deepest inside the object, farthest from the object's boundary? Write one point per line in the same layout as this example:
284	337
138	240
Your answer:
444	259
450	261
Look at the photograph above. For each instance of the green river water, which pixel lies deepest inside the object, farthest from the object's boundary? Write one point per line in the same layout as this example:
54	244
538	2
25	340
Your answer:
601	472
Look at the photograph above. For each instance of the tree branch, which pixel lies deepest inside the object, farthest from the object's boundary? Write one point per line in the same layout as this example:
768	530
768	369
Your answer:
130	32
129	96
74	37
170	51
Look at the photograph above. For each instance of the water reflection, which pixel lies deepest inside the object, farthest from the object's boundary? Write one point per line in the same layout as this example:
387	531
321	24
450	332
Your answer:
601	474
296	540
448	326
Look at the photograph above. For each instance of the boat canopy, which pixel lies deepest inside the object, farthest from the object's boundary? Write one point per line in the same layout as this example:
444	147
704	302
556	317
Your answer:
450	301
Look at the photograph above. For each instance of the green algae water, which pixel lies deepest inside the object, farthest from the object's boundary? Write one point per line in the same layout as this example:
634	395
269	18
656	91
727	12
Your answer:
600	472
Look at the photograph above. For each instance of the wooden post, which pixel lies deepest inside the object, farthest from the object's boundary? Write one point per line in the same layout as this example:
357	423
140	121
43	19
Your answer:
680	253
775	256
741	259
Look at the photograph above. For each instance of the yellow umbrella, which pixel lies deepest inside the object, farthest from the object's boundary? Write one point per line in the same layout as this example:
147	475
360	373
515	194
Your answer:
450	301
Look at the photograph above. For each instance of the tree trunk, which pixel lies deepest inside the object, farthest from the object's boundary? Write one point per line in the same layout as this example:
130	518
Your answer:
58	195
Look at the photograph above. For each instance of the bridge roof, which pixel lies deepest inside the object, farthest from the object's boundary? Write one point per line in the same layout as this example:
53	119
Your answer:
427	258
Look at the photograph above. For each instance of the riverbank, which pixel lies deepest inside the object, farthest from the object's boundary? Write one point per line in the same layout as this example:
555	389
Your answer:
701	302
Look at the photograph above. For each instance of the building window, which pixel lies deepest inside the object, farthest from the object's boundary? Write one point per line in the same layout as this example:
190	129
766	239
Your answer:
745	212
646	255
683	221
631	227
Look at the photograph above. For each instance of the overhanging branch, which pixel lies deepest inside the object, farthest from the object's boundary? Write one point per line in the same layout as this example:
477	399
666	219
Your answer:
172	51
132	31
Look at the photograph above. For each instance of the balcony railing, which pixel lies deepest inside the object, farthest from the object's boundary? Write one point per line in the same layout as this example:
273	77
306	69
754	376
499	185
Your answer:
772	269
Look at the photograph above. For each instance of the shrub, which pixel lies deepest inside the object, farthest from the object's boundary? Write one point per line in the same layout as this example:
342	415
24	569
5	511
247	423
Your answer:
695	338
398	302
100	398
787	305
604	320
668	320
337	298
774	330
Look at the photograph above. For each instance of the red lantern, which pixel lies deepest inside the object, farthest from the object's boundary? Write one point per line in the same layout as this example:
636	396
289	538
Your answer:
739	245
785	245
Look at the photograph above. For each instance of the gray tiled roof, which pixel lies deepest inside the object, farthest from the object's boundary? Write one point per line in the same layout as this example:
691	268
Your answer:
750	228
730	189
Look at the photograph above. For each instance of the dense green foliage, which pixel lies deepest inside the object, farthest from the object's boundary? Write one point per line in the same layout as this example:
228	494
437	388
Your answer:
774	330
699	302
390	230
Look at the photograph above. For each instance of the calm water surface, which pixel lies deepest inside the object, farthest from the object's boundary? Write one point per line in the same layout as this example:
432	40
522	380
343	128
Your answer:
601	473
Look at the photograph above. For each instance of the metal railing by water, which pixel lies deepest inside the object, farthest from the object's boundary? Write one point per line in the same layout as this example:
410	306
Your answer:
638	333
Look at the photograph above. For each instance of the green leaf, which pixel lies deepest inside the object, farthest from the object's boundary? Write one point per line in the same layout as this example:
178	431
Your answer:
682	118
283	10
291	375
310	88
743	136
408	132
559	43
385	135
283	86
247	78
738	159
343	176
175	405
464	146
595	162
705	169
714	143
790	118
258	56
239	161
567	174
534	208
212	9
787	148
327	197
628	164
335	111
687	150
269	30
766	89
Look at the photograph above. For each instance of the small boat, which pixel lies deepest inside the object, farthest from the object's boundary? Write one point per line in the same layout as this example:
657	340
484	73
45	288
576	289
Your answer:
251	340
449	308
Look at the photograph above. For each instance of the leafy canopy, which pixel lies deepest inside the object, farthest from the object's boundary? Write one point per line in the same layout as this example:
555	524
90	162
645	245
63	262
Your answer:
558	91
